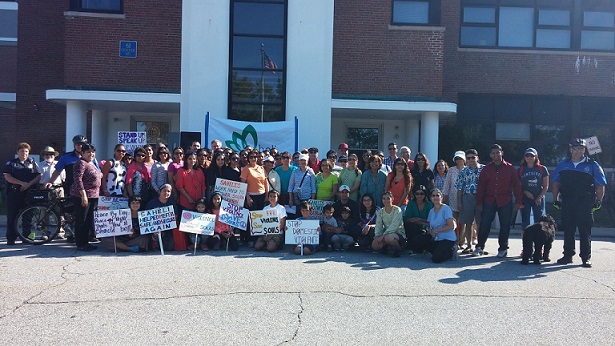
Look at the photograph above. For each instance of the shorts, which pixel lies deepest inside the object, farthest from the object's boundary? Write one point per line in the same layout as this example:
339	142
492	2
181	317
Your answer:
469	213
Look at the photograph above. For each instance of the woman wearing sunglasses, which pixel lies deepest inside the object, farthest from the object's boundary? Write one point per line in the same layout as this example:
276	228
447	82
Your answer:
114	173
442	229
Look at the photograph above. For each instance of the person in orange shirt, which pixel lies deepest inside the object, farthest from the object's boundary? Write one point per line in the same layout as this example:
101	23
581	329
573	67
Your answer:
253	175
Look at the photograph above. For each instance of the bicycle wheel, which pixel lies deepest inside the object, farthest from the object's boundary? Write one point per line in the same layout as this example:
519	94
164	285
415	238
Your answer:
37	224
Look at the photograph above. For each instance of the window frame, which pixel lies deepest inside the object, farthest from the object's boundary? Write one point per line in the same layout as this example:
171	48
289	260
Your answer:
77	6
10	6
575	8
262	69
433	13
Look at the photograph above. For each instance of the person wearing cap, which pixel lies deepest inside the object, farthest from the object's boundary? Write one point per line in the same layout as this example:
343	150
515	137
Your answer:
21	174
534	185
450	192
351	176
390	160
302	183
579	182
497	184
66	162
47	168
273	178
342	150
313	162
343	200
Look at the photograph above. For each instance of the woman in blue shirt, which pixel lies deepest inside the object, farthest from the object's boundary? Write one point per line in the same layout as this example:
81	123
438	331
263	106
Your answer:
442	228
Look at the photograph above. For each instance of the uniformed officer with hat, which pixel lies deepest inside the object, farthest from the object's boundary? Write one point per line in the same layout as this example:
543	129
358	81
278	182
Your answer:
580	182
21	174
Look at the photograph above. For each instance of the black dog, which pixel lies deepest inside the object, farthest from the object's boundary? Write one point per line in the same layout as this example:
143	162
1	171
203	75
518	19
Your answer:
540	234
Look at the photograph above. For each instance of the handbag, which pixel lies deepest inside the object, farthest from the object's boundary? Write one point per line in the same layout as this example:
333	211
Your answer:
296	199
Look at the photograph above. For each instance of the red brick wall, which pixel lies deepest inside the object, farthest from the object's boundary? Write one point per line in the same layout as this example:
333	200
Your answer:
505	72
369	58
39	67
8	69
92	49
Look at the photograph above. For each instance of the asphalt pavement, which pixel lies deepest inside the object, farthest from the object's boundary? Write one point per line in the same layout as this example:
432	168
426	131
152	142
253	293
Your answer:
52	294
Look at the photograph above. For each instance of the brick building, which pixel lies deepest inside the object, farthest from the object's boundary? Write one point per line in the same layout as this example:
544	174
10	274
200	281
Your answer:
437	75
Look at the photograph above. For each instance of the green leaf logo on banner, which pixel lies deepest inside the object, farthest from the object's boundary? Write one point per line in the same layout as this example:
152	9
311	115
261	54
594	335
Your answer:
240	141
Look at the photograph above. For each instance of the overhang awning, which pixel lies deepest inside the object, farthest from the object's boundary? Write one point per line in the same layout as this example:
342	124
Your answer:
119	100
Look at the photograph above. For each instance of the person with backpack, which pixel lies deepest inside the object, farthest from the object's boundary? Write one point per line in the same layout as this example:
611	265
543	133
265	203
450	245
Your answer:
534	179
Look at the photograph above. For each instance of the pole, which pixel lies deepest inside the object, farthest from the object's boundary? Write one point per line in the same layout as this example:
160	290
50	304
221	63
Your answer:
262	82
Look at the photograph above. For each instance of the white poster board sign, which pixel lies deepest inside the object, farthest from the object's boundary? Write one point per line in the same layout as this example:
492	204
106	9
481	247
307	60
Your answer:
593	145
233	215
232	191
264	222
131	140
111	223
197	223
157	220
302	232
112	203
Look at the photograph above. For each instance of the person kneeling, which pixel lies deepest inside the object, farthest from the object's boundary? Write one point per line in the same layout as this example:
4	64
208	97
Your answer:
389	234
442	228
133	242
308	249
273	242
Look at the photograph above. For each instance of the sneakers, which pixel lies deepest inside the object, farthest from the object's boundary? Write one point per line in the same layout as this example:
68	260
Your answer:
502	253
134	248
586	264
467	250
478	251
564	260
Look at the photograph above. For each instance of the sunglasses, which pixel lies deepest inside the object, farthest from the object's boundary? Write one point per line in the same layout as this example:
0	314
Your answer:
400	164
234	159
120	151
285	157
529	155
470	157
252	157
419	194
140	155
420	159
201	155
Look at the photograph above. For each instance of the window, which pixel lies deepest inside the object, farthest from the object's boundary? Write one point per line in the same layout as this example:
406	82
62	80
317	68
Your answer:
104	6
538	24
258	60
407	12
8	23
363	137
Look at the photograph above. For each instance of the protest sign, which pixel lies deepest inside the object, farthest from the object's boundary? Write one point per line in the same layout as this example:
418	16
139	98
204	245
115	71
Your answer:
233	215
317	206
111	223
112	203
157	220
264	222
232	191
302	232
131	140
197	223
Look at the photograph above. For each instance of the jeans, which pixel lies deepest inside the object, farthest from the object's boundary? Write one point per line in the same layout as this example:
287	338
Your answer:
530	205
487	217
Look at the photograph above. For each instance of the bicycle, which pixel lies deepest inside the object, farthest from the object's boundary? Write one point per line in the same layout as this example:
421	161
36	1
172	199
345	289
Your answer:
40	222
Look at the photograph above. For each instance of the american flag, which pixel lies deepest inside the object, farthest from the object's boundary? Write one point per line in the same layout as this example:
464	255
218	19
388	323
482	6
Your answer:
269	64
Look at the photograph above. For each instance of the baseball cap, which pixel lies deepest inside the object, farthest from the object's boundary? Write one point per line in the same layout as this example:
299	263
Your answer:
460	154
344	187
531	151
343	146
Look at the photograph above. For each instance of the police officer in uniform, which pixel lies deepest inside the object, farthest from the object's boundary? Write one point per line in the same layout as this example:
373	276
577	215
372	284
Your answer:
580	182
20	174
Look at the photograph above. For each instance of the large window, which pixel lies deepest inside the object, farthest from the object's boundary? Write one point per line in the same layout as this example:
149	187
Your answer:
258	60
104	6
416	12
8	23
538	24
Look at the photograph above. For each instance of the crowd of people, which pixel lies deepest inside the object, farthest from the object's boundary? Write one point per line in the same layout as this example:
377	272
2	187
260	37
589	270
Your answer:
384	203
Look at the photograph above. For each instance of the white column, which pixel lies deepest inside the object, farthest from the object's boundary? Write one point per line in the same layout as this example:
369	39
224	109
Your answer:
76	121
99	138
429	135
412	136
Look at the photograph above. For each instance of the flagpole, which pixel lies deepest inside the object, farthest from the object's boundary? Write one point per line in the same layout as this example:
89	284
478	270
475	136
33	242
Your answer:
262	81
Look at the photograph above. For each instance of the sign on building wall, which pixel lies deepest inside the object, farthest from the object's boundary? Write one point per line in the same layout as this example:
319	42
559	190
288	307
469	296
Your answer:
131	140
128	49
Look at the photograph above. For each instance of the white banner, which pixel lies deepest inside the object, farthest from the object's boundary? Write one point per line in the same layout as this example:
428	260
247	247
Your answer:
157	220
232	191
197	223
237	135
111	223
112	203
264	222
131	140
302	232
233	215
